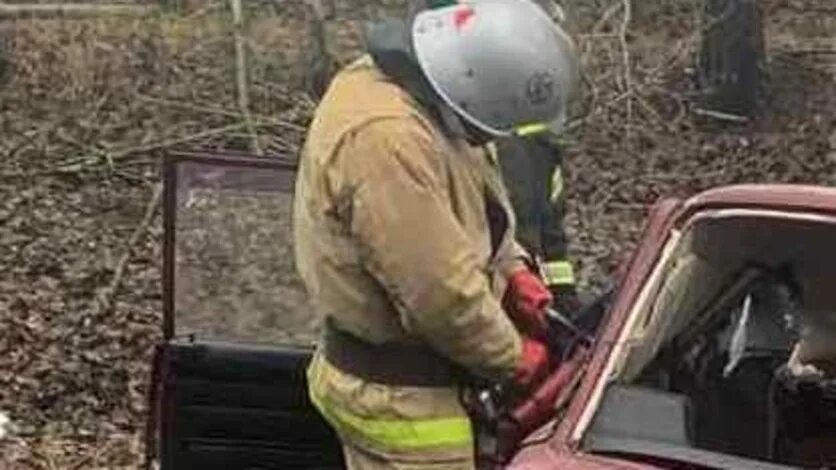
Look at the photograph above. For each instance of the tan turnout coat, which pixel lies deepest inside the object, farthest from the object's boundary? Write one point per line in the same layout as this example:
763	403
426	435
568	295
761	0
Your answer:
393	244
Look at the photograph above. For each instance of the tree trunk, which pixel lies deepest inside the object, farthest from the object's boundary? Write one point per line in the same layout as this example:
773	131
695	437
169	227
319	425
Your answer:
320	65
731	58
5	54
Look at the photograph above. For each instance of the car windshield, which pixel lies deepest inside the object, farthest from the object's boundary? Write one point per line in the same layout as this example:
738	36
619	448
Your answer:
730	354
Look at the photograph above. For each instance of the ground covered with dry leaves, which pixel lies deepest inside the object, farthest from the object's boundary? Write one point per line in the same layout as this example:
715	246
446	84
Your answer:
88	106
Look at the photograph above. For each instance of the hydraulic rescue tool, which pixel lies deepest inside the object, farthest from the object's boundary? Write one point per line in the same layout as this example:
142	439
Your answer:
503	416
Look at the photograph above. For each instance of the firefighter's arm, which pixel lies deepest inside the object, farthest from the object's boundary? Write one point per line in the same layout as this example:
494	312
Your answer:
415	247
512	256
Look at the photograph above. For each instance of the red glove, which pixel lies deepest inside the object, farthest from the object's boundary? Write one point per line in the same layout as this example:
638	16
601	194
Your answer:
526	300
533	365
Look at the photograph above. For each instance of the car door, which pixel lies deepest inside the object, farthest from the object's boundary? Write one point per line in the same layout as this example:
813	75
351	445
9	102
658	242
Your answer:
229	386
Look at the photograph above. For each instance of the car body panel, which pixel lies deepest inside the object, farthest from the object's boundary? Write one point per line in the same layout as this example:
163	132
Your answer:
561	447
562	450
547	458
662	219
218	402
785	197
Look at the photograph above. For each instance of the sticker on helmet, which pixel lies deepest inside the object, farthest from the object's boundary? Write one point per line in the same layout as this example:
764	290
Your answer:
462	16
540	88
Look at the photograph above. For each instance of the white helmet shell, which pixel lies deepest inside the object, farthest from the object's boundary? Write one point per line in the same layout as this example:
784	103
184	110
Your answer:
502	65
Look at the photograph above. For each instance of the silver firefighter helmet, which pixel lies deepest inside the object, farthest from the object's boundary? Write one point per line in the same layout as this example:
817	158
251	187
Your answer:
504	66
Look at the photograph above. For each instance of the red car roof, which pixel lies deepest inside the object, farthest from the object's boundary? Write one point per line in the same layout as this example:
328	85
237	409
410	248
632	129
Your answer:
794	197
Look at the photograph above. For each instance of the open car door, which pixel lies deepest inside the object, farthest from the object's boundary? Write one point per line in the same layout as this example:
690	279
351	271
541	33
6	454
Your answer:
229	386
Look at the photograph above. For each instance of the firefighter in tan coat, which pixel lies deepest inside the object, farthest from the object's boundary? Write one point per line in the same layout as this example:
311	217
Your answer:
403	231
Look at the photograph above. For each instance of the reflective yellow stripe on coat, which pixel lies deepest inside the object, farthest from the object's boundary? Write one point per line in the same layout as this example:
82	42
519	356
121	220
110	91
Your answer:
559	273
557	186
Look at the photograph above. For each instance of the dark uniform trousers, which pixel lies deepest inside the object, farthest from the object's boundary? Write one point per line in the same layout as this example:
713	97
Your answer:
531	168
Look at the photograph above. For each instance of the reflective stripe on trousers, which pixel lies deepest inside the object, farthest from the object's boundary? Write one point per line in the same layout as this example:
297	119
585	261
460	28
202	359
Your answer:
556	186
357	458
393	434
559	273
399	434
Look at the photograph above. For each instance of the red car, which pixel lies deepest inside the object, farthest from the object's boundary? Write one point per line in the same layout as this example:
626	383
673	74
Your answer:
713	352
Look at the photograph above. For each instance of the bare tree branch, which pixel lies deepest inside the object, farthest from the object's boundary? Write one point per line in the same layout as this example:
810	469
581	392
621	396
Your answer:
241	73
105	296
625	58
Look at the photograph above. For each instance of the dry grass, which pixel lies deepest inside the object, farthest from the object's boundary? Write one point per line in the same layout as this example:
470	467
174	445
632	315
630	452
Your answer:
638	139
85	110
114	452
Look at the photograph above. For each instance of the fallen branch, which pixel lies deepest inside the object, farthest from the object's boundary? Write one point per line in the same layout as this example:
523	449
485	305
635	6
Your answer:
75	10
599	25
219	111
105	296
576	123
118	155
93	457
79	163
720	115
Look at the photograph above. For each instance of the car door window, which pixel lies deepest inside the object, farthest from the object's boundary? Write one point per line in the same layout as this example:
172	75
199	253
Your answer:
233	274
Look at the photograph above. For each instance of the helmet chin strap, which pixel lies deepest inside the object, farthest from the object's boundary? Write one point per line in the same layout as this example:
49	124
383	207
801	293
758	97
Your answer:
473	134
